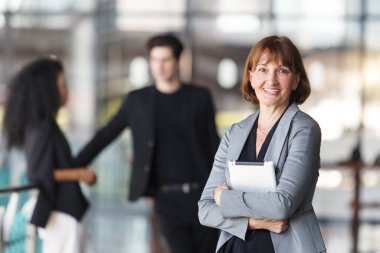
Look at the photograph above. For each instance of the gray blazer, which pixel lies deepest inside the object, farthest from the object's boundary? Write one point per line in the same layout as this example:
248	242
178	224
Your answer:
294	149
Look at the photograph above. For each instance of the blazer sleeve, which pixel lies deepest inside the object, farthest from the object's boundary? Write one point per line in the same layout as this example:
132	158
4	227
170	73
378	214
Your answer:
299	174
104	136
39	149
209	213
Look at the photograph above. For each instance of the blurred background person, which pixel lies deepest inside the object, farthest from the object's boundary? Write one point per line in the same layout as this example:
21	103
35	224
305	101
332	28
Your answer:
34	97
274	77
174	142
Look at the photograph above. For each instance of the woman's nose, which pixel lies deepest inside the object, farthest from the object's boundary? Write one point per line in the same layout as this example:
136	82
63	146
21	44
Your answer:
272	78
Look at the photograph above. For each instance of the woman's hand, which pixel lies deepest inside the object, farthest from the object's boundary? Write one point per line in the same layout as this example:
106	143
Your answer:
87	176
77	174
218	192
276	226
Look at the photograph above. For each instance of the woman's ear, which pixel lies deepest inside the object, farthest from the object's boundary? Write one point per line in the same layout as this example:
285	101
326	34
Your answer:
250	75
251	78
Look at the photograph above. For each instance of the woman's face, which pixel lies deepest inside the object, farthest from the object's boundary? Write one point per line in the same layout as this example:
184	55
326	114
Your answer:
273	82
62	89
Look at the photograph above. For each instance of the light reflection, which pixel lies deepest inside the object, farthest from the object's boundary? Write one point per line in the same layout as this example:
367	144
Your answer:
47	5
49	22
152	16
148	23
241	6
313	32
11	6
317	75
233	23
227	73
372	35
371	117
373	7
370	178
329	178
285	7
328	114
139	72
371	73
336	8
156	6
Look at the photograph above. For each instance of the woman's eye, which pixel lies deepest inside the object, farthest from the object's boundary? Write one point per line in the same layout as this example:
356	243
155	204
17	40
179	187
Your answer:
261	69
284	71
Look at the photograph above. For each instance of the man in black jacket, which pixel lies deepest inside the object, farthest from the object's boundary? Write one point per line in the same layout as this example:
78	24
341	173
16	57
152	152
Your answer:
174	141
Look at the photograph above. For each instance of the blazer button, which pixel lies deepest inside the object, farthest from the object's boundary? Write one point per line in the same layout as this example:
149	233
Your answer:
146	168
150	143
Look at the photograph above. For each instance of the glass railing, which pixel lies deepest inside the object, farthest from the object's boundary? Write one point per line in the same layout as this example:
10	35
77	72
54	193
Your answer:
16	233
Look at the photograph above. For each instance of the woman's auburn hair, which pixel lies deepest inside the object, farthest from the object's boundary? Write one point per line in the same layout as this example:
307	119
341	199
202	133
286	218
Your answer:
277	49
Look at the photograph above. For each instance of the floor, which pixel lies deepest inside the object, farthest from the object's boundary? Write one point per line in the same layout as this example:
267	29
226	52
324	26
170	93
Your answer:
124	227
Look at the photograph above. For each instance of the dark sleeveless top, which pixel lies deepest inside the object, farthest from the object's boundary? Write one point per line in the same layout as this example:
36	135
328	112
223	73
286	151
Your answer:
259	240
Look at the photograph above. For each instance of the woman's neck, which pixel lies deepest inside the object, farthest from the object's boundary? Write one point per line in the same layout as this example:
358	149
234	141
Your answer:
268	117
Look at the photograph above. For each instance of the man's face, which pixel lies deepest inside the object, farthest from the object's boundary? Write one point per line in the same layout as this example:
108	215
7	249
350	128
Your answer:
62	89
163	65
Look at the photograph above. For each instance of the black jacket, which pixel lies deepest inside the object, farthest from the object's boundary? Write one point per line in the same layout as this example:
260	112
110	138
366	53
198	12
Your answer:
137	112
46	149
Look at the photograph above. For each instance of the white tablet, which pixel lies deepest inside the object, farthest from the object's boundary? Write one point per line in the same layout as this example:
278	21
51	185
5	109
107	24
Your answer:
252	176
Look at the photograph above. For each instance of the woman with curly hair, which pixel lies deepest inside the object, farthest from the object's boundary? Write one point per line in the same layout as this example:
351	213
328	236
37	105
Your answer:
34	97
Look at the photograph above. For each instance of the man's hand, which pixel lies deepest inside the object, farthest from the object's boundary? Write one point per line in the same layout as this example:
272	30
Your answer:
218	192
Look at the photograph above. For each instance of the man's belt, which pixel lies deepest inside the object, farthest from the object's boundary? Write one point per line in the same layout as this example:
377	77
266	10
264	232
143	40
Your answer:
185	187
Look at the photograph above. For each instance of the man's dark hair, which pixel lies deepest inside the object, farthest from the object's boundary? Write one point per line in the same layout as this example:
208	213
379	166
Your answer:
166	40
32	97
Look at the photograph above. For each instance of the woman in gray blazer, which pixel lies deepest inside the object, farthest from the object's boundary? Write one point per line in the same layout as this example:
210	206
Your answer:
282	221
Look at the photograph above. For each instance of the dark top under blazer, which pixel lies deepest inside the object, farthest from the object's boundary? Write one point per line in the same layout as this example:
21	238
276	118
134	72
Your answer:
137	112
46	149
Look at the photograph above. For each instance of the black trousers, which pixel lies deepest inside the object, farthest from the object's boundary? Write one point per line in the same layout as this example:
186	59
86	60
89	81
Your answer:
178	221
258	241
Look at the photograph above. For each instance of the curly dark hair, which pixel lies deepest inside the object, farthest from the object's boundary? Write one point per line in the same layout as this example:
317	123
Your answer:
32	97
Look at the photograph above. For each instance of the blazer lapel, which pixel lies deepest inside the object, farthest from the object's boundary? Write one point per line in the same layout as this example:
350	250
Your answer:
149	103
239	136
278	140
